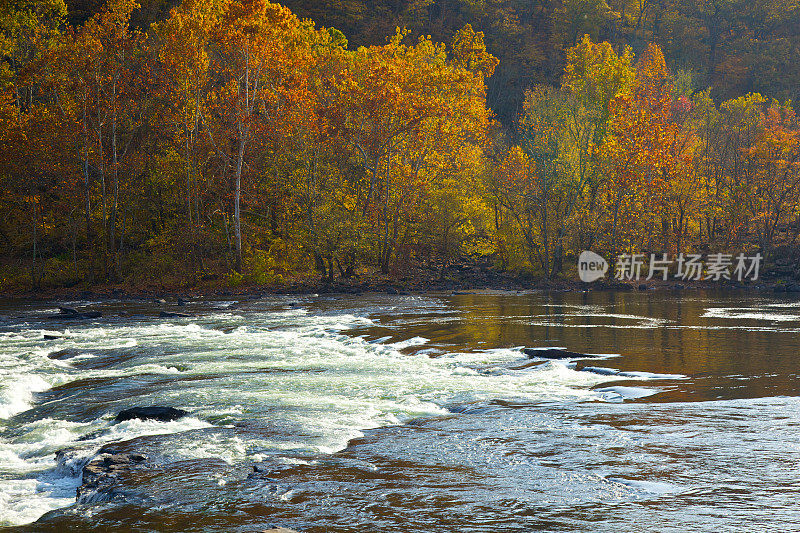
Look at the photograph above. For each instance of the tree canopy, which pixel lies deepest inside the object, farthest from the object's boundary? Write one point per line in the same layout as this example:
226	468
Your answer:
232	139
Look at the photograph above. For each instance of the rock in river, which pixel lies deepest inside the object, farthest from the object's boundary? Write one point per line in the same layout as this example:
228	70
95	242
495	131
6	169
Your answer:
69	313
554	353
162	414
100	476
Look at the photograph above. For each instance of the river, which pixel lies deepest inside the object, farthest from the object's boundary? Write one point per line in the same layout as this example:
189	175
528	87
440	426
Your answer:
409	413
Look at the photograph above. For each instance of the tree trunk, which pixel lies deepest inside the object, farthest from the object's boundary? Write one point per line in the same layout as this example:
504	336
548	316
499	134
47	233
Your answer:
237	225
545	240
115	168
87	184
101	168
34	274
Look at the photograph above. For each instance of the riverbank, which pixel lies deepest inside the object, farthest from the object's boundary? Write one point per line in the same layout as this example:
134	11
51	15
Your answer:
463	283
457	278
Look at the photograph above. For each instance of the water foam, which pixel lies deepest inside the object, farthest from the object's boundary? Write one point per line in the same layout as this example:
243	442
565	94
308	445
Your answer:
16	393
750	314
312	387
620	393
25	500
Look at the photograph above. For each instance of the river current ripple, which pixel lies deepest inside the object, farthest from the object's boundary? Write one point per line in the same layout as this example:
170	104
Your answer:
382	413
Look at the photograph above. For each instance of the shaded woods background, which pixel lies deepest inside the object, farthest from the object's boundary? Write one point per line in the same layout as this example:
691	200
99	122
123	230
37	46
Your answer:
172	142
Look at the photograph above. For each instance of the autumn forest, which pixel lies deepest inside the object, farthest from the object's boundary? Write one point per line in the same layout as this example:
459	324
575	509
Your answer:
250	143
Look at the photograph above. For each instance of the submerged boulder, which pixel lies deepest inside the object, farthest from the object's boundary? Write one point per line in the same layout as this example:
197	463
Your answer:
67	353
169	314
600	370
162	414
529	364
554	353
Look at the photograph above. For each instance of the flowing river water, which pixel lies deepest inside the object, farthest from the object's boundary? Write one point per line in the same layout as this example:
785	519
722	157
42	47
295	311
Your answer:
418	413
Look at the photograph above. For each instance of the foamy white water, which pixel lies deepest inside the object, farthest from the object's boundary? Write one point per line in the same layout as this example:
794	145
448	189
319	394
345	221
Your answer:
283	379
224	367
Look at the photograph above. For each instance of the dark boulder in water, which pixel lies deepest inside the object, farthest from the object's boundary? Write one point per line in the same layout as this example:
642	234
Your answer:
168	314
100	476
68	313
49	337
554	353
162	414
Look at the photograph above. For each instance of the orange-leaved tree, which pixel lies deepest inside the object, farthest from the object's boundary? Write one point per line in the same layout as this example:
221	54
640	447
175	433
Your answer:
645	159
